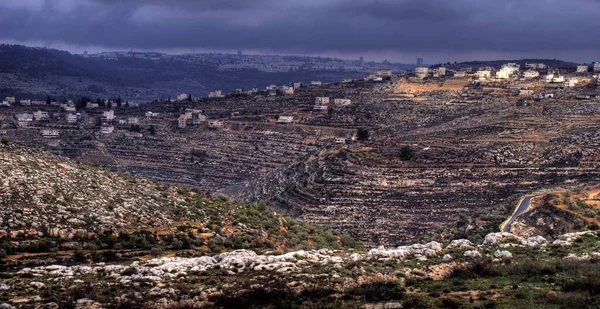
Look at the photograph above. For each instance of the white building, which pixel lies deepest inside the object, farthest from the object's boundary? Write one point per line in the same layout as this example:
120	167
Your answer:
151	114
71	118
183	120
50	133
525	92
107	129
320	107
531	74
11	100
441	71
91	105
460	74
422	72
108	115
503	74
285	119
321	100
582	69
596	66
483	74
340	140
216	94
41	115
286	90
316	83
555	78
26	102
183	97
384	73
297	85
511	68
342	102
23	120
133	120
215	124
536	66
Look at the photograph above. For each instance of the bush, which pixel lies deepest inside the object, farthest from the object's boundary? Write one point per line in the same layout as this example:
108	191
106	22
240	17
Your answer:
156	251
4	141
406	153
378	291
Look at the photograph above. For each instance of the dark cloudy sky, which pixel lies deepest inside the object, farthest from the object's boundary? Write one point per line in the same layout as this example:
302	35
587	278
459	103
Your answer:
398	30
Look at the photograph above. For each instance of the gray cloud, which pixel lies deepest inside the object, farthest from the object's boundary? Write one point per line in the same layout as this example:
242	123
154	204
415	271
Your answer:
408	27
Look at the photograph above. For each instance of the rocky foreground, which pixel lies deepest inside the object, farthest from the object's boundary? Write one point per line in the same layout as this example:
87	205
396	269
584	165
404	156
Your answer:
460	272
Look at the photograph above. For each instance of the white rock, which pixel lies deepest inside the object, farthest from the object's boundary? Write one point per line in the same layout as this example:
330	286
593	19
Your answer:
37	285
447	257
493	239
460	244
505	255
472	254
535	241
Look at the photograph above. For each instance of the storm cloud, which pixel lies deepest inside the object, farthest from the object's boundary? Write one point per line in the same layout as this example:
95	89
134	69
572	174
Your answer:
441	28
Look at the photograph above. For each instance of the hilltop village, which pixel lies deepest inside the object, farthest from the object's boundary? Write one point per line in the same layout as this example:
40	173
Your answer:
388	158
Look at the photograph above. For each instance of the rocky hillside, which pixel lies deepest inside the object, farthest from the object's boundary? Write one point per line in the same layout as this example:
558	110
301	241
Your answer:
561	211
44	195
503	271
48	203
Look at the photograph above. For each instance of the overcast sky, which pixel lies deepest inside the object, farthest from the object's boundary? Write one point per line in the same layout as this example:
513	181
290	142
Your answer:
398	30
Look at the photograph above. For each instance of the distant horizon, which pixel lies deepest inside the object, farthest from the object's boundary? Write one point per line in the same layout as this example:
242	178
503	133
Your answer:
95	51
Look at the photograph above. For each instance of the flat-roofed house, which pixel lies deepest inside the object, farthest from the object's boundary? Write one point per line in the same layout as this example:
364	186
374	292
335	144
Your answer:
422	72
342	102
107	129
71	118
582	69
285	119
322	100
384	73
215	124
24	120
50	133
531	74
108	115
286	90
41	115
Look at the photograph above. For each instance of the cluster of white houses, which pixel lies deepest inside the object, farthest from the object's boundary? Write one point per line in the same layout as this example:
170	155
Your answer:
191	117
507	71
322	103
378	76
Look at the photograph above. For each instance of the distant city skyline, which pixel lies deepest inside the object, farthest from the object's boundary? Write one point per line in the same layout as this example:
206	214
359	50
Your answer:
399	31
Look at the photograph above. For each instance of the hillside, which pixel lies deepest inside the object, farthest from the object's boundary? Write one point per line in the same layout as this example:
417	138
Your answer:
48	203
561	211
36	73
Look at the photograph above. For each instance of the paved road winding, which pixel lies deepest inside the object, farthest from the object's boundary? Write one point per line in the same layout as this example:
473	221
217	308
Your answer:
521	209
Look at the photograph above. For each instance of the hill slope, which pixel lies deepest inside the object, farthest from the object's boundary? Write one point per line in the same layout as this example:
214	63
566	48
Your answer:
49	203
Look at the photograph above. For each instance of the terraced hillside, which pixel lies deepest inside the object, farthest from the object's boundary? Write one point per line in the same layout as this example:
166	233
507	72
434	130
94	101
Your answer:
434	157
408	163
